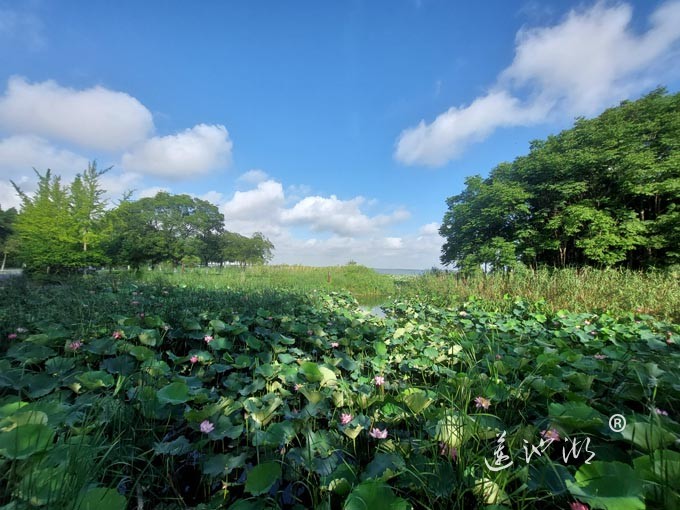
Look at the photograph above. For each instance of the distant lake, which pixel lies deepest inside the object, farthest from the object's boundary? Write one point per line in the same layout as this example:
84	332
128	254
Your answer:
414	272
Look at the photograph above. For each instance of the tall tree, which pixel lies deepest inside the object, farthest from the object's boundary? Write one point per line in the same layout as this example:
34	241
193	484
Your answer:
163	228
87	209
7	243
604	193
48	238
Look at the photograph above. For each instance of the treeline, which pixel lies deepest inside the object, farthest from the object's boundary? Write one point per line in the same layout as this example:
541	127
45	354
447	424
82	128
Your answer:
62	228
605	193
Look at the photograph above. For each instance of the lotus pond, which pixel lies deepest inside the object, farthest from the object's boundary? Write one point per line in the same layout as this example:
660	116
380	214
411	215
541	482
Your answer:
118	395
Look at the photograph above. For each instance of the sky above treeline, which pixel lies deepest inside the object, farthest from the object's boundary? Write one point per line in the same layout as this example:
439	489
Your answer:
337	129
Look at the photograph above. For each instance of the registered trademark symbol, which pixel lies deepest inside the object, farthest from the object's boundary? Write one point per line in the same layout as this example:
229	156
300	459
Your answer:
617	422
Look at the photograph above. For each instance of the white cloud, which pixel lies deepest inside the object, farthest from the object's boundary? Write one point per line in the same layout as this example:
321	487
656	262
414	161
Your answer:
8	196
253	177
196	151
263	202
429	229
19	154
95	118
150	192
117	183
592	59
342	217
447	136
214	197
265	209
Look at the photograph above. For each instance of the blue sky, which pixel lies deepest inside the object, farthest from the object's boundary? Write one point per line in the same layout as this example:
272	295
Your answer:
338	129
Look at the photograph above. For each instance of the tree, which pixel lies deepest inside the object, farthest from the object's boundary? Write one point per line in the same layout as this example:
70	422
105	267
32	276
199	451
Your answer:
164	228
7	242
605	192
47	234
87	208
242	250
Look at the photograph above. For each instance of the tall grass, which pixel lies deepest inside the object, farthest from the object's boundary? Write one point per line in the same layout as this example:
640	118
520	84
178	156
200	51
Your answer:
578	290
359	280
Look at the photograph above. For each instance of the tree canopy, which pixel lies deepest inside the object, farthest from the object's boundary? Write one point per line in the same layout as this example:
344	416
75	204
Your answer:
63	227
603	193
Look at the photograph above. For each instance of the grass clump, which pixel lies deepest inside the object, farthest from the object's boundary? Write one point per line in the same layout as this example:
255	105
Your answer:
354	278
617	291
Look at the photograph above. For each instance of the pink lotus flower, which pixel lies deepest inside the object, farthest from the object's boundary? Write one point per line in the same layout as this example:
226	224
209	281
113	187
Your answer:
378	434
482	402
335	345
207	427
586	322
345	418
379	380
577	505
117	335
74	346
661	412
600	356
193	359
551	434
448	451
208	339
297	387
12	336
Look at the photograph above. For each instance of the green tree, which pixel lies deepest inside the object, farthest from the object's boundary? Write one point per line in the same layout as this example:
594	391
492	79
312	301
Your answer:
163	228
87	208
46	231
605	192
7	242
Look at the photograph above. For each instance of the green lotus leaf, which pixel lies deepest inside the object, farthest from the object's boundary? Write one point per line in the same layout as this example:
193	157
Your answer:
262	477
174	393
96	379
374	495
608	486
23	441
101	498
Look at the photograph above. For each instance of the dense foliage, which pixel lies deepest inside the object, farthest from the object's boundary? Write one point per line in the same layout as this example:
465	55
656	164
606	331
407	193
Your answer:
117	395
604	193
63	227
7	246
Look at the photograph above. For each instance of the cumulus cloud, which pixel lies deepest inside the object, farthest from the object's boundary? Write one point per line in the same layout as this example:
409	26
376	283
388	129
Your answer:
20	153
429	229
253	177
116	183
590	60
264	201
151	191
451	132
94	118
266	208
8	196
342	217
195	151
